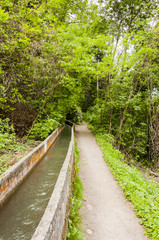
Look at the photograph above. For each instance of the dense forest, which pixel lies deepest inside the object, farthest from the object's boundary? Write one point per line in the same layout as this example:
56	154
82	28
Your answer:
59	58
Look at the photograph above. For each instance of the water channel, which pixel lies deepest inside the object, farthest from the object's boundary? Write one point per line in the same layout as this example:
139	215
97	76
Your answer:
20	216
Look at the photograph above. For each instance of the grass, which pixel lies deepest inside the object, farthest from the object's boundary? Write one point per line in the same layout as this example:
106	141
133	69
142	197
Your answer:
74	226
141	192
12	155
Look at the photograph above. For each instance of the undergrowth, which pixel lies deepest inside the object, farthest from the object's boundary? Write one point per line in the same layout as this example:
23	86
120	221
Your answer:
142	193
11	147
74	225
19	150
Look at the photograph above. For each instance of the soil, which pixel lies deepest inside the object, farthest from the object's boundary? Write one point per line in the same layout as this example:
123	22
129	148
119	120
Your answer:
149	174
106	213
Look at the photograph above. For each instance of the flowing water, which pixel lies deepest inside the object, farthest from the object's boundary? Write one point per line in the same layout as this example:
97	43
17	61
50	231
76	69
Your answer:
20	216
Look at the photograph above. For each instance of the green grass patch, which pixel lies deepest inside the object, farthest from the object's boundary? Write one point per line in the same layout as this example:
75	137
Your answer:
142	193
12	148
10	155
74	226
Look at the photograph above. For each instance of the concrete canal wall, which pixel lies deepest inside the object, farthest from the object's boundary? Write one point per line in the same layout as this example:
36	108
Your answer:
53	225
15	174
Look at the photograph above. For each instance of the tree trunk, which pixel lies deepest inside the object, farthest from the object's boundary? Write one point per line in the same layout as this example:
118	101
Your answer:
150	124
119	132
110	120
155	153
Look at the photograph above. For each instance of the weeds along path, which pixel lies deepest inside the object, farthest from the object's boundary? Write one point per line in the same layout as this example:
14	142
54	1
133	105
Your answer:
106	213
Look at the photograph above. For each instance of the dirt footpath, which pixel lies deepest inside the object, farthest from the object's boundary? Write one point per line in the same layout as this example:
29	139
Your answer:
106	214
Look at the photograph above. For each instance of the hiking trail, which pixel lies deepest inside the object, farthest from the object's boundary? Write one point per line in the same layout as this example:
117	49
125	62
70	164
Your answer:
106	213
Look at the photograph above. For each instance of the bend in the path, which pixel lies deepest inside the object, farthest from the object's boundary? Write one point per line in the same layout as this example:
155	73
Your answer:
106	213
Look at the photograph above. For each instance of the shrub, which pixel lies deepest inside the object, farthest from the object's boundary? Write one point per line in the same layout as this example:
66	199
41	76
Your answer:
42	129
7	135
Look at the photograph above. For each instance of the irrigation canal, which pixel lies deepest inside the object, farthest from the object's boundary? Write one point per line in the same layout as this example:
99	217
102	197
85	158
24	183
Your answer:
21	214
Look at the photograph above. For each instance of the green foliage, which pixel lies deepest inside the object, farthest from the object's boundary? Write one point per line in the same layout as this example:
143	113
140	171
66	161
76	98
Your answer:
43	128
31	55
10	146
57	56
93	117
74	228
125	16
7	135
141	192
125	104
75	115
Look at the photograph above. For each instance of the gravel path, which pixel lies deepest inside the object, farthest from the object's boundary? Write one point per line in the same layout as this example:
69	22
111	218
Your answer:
106	214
